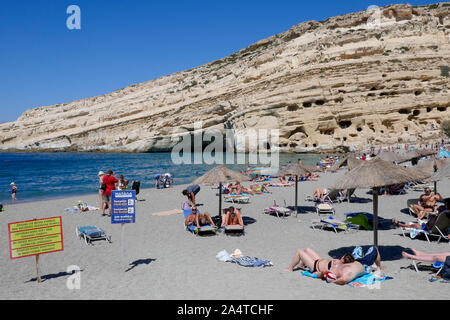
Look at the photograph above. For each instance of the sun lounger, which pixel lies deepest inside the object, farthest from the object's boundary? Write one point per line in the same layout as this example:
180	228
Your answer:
437	231
92	233
278	211
193	228
234	229
237	199
324	208
437	266
313	199
333	223
421	187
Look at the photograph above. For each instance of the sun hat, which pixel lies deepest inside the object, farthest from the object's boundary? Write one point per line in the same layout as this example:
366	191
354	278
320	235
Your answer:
101	173
237	254
12	184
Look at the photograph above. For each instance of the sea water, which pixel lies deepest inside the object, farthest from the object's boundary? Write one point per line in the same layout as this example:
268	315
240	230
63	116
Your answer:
41	176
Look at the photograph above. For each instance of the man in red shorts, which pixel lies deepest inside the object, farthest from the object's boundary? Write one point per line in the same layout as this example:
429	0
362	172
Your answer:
110	180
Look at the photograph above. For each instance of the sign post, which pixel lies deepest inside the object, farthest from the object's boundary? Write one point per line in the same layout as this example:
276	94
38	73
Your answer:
35	237
123	211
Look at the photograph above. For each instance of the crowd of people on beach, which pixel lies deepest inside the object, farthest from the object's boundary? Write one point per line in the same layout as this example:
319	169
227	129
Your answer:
338	271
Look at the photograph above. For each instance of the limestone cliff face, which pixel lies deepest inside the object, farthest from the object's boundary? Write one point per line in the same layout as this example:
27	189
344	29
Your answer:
365	78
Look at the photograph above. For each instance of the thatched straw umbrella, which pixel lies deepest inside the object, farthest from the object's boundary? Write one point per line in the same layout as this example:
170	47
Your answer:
220	174
440	174
352	163
430	166
339	164
295	169
374	174
391	156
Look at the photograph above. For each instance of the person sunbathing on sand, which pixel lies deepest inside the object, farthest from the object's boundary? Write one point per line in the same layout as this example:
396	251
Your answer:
199	219
345	269
311	259
426	257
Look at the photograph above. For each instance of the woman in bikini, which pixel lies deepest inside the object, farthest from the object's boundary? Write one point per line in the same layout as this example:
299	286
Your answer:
232	217
310	259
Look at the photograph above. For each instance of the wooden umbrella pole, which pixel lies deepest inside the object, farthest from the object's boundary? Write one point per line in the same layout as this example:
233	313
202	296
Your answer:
375	217
435	187
38	278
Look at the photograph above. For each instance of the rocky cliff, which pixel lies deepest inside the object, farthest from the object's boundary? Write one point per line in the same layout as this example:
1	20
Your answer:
374	77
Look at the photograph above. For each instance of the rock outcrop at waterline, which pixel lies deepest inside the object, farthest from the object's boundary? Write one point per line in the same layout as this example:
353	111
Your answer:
367	78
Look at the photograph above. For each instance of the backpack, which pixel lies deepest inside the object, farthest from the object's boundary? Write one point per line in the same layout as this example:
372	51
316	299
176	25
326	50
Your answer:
445	273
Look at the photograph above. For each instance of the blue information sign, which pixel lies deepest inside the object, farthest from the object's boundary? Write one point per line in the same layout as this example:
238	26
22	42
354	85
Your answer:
123	206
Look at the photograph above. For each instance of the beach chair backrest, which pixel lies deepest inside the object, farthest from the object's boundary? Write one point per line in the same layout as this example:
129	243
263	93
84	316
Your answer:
442	223
333	194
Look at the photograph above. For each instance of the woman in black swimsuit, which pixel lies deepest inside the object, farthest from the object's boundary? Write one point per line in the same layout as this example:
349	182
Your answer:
313	261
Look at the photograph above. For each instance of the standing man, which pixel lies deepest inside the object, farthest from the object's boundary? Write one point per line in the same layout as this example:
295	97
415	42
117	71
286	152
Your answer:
110	180
191	191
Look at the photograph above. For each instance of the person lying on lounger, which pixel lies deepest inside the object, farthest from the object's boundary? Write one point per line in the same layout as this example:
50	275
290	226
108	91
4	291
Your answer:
198	219
232	217
259	189
426	204
238	189
319	194
426	257
428	226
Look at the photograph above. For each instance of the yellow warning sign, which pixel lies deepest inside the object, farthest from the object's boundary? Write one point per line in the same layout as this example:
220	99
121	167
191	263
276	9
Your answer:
32	237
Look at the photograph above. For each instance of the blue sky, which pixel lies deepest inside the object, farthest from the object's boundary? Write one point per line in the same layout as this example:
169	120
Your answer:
122	42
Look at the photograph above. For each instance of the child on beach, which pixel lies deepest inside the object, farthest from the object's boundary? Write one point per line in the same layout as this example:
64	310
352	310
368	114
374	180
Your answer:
13	191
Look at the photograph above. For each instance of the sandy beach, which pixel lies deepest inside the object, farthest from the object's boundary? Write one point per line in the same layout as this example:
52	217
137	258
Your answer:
164	261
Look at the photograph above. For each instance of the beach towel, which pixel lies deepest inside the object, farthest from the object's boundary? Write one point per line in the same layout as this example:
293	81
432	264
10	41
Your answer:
360	220
244	261
383	224
240	194
251	262
363	280
167	213
76	210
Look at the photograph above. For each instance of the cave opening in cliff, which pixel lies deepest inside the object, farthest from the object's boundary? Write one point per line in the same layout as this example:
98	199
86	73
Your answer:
320	102
403	111
416	113
345	124
307	104
442	109
293	107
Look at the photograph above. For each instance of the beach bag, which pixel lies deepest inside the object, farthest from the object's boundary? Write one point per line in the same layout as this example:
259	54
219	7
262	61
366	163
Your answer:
446	269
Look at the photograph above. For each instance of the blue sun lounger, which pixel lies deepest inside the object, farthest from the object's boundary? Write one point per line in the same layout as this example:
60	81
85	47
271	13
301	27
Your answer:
91	233
192	228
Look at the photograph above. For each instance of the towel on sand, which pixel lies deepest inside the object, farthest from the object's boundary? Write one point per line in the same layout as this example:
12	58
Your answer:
76	210
167	213
363	280
244	261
